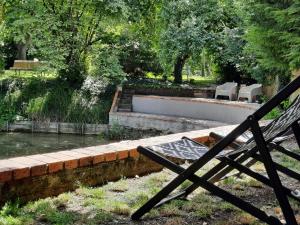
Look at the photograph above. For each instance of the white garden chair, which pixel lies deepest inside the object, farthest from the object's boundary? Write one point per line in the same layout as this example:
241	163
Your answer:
228	89
249	92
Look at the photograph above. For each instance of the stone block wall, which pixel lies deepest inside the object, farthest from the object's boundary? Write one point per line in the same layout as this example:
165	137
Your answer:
54	127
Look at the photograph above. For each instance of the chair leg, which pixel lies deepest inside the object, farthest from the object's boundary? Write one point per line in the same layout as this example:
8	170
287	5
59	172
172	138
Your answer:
296	130
158	198
273	175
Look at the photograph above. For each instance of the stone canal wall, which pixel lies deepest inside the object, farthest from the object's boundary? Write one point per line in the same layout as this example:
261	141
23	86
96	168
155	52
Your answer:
54	127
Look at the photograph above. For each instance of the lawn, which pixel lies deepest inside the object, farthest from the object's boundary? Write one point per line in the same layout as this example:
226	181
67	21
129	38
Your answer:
113	203
193	80
27	74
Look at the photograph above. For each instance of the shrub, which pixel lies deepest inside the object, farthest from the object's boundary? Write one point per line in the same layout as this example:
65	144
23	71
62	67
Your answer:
106	65
116	132
35	108
7	113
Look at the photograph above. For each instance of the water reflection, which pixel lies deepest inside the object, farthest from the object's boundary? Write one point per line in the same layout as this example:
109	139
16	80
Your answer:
20	144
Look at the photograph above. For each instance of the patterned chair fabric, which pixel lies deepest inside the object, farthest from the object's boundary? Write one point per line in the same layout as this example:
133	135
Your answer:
181	149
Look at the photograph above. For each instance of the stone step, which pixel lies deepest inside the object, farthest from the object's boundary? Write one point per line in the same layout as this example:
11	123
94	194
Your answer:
125	101
128	91
126	106
124	110
126	95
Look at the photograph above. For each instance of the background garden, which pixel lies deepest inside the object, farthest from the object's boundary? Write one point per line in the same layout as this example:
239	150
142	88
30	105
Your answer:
89	47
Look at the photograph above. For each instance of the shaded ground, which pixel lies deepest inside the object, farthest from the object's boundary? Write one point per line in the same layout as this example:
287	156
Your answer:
114	202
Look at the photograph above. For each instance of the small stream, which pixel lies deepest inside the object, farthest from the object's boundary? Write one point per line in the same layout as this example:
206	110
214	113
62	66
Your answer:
21	144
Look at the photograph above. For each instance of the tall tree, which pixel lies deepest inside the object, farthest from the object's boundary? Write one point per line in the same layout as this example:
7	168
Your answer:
139	37
273	34
187	27
18	24
62	32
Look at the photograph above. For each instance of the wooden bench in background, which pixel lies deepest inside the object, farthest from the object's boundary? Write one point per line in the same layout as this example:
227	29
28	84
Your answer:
26	65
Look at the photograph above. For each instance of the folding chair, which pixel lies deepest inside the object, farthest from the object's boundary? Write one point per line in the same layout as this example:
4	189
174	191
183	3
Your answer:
246	136
257	147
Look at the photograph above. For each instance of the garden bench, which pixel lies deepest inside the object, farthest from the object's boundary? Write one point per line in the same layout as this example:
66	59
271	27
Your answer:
25	65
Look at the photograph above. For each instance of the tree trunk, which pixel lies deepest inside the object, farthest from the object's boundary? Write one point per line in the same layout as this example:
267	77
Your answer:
22	51
178	68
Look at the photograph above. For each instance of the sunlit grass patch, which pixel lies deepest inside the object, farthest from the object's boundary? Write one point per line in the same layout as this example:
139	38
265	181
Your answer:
204	205
98	193
170	209
28	74
194	79
156	180
119	186
288	162
119	208
137	199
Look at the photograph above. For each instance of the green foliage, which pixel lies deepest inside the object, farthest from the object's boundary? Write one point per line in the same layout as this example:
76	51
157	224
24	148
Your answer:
188	26
62	33
10	209
1	64
273	34
276	112
116	132
105	64
139	39
53	100
7	113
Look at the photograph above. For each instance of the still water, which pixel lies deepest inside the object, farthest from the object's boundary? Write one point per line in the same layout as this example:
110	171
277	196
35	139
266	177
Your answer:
20	144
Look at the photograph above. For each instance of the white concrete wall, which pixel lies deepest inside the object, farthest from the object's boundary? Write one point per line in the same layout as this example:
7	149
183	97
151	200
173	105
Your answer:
159	122
196	108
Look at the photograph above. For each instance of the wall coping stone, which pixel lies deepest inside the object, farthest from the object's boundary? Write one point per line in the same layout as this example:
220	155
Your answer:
204	100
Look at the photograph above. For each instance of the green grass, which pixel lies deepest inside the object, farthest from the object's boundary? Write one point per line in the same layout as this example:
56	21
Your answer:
102	205
193	80
11	74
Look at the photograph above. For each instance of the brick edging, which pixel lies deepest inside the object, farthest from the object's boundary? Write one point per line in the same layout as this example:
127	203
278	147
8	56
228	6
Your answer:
44	175
36	165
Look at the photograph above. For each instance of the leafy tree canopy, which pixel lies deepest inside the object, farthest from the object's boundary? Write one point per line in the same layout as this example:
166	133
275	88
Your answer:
63	31
187	27
273	34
